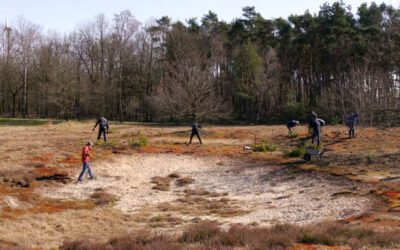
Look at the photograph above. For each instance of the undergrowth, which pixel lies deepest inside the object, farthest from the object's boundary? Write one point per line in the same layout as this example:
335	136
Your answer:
139	140
209	235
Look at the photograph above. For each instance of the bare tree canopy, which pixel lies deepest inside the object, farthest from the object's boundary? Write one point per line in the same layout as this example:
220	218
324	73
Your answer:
251	69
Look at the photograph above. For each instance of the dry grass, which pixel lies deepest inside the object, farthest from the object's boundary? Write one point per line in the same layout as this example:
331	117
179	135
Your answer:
101	197
208	235
161	183
174	176
201	205
32	149
138	241
184	181
164	220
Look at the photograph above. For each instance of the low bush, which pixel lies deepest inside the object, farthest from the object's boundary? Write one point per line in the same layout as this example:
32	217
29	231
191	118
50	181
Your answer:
162	183
296	152
174	176
183	181
292	135
208	235
101	197
201	232
107	144
264	146
140	140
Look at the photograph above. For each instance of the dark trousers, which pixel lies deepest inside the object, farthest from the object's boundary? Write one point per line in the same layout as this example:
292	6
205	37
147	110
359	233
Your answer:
193	134
351	132
316	136
104	132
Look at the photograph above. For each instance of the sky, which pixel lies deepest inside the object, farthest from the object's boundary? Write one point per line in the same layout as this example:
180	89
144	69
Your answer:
64	15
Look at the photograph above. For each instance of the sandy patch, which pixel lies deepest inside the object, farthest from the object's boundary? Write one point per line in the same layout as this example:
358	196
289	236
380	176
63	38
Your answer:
269	194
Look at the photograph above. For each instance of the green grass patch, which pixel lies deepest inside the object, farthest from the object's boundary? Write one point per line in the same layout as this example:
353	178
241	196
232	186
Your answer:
292	135
264	146
108	144
296	152
139	140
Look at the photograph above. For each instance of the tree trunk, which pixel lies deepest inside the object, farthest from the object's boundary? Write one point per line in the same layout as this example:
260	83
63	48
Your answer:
24	105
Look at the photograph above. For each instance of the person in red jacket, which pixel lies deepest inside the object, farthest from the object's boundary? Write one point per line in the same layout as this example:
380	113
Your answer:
85	161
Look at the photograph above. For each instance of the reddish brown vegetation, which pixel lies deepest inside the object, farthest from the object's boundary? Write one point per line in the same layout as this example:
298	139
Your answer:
208	235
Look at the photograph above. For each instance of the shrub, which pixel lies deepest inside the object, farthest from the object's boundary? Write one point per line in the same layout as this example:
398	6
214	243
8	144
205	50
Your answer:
265	146
184	181
162	183
201	232
107	144
292	135
174	176
296	152
101	197
140	140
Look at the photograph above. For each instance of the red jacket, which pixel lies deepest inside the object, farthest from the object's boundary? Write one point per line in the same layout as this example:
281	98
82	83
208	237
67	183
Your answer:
86	154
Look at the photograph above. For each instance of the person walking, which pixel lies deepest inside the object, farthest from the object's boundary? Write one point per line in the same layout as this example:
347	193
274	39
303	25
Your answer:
85	161
103	128
195	132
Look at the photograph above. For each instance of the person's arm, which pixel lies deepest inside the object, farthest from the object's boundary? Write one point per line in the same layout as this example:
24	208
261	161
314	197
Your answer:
98	121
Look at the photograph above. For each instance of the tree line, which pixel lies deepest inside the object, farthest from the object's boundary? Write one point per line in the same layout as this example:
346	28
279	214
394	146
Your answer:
251	69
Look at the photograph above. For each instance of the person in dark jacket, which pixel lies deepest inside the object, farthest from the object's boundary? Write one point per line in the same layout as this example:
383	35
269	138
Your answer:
351	123
103	128
195	132
292	124
316	125
310	121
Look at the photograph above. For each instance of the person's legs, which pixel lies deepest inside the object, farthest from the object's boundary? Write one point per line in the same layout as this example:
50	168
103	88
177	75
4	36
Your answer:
352	132
89	170
99	135
316	136
105	135
84	167
198	136
191	137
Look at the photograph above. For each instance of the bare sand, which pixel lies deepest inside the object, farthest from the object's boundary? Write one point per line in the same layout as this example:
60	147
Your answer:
270	193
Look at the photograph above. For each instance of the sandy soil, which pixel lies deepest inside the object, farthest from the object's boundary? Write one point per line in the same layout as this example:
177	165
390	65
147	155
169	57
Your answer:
269	194
262	193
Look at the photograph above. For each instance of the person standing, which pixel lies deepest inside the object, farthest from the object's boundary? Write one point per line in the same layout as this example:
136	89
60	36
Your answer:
103	128
316	125
351	123
85	161
195	132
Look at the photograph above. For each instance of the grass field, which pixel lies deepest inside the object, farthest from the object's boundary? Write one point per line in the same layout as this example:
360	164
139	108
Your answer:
153	191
